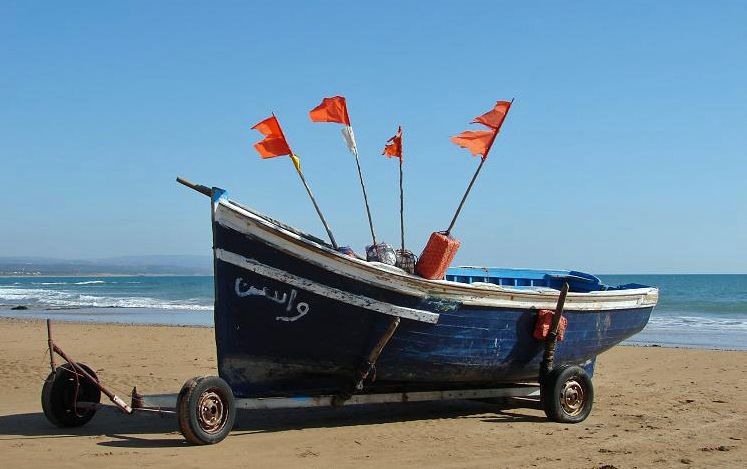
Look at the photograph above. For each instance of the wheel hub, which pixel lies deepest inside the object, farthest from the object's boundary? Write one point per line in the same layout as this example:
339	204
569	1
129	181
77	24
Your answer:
211	412
572	397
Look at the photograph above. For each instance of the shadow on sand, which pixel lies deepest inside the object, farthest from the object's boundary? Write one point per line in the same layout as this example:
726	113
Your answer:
125	431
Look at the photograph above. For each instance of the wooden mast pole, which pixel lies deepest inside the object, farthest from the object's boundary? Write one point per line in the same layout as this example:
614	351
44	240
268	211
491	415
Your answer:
360	176
401	206
469	188
363	187
472	182
308	190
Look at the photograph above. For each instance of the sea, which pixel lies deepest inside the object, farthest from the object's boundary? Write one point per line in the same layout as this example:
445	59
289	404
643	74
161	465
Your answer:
699	311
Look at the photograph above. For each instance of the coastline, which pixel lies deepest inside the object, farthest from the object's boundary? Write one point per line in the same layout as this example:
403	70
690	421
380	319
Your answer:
654	406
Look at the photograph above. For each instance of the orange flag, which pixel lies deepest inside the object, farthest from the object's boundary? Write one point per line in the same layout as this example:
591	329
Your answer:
331	110
274	143
494	118
478	142
395	147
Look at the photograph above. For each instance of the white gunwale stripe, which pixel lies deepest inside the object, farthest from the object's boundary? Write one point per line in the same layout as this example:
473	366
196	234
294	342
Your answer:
324	290
236	218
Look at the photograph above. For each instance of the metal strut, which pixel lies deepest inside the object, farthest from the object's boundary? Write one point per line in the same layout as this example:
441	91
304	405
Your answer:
53	348
552	336
368	366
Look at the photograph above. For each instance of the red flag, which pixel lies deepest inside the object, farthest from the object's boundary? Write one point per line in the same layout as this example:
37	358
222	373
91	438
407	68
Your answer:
331	110
274	143
476	141
494	118
395	147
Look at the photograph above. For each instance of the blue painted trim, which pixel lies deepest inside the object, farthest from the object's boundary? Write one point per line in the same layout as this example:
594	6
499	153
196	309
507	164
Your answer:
578	281
219	194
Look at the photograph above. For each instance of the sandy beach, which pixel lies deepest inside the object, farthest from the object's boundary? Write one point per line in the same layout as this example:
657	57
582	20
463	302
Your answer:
654	407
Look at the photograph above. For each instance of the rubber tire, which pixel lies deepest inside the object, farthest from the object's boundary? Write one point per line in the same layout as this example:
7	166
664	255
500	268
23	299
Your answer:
187	409
551	394
58	395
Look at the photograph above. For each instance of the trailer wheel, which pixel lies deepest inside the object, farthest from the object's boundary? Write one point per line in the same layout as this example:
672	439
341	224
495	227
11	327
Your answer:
62	392
567	395
206	410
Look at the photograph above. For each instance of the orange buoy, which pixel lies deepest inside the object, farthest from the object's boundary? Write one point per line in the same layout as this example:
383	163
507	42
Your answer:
437	256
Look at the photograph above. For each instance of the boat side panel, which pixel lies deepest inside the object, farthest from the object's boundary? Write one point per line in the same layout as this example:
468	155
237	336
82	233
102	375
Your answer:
265	348
481	345
273	337
277	340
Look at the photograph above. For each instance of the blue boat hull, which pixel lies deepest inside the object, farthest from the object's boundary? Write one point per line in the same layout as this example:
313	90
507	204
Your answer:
274	339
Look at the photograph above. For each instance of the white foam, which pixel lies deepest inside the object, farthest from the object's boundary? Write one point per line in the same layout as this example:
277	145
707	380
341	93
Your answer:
737	323
61	299
86	282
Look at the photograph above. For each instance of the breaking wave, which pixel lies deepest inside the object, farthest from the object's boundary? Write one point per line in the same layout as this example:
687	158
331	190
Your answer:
44	298
736	323
87	282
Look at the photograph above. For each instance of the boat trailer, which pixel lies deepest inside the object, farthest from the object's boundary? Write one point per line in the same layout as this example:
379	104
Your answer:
206	408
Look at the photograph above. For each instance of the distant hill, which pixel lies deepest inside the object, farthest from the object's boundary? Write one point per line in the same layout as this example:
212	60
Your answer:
123	265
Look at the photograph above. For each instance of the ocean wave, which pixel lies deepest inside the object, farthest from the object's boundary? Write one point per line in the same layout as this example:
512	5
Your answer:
85	282
46	298
699	322
130	302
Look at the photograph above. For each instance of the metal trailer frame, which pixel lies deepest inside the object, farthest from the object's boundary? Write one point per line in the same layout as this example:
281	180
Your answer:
353	395
166	402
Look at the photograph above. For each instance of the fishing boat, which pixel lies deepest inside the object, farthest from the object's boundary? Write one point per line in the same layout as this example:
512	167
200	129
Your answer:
295	317
298	323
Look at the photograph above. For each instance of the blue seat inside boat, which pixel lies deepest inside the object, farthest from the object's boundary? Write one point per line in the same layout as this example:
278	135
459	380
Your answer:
530	278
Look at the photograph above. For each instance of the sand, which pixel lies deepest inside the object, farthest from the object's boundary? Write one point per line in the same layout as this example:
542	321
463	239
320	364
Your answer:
654	407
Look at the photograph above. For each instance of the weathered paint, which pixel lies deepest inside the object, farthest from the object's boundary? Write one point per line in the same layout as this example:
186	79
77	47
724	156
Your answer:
475	342
320	289
295	244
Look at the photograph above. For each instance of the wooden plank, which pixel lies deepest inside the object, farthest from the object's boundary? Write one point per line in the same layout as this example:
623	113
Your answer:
324	290
236	218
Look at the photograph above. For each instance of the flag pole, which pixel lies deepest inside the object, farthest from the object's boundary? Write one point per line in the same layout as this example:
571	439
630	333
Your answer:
360	176
293	158
363	187
466	193
401	206
472	182
318	211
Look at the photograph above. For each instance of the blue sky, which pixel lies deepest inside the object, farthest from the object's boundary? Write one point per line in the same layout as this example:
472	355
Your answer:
624	151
